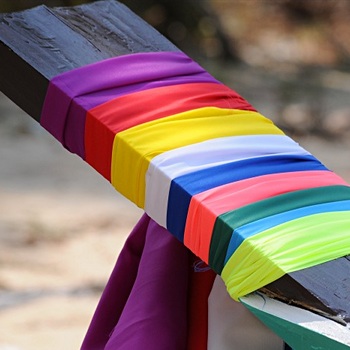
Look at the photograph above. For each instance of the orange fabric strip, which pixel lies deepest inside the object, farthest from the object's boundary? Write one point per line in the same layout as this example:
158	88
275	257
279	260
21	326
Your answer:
207	206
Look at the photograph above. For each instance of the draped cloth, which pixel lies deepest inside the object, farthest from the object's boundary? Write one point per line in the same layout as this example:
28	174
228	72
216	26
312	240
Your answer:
160	296
145	300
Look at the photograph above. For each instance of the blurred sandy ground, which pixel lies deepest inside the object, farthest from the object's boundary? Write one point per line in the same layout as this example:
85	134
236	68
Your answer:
61	228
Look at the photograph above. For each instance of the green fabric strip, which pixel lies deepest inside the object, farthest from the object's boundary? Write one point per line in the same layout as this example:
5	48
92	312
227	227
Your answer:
295	335
291	246
226	223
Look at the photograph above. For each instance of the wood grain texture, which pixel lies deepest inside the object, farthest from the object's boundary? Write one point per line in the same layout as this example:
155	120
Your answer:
323	289
115	31
37	44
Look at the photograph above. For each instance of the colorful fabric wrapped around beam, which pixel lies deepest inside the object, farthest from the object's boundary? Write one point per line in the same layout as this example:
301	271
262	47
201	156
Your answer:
173	164
208	205
121	113
71	94
203	164
134	148
226	223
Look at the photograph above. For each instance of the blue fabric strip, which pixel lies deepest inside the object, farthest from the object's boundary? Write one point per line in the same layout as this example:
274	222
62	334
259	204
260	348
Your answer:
255	227
184	187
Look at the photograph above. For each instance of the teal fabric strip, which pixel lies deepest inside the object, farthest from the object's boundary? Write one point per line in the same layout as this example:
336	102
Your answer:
294	245
226	223
298	337
258	226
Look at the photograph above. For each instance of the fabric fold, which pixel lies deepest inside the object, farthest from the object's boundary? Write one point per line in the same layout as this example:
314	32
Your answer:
134	149
105	121
170	165
208	205
144	304
71	94
244	232
294	245
184	187
227	223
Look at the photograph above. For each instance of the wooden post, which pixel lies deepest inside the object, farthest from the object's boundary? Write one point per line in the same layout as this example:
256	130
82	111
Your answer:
37	44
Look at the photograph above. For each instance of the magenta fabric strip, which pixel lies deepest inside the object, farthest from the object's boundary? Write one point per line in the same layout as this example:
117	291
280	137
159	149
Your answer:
144	305
70	95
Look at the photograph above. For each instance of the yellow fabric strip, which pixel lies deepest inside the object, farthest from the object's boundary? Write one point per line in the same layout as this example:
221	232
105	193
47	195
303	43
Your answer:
133	149
288	247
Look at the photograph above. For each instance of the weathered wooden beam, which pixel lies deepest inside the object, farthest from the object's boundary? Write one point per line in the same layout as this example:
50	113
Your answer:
323	289
37	44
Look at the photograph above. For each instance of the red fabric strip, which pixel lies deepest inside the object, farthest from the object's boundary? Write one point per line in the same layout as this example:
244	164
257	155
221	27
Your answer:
210	204
200	286
105	121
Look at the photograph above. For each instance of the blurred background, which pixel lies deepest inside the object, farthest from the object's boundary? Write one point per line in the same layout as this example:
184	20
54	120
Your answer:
62	225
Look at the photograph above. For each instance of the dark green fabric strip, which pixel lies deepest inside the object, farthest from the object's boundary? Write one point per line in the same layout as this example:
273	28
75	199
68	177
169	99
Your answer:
297	336
226	223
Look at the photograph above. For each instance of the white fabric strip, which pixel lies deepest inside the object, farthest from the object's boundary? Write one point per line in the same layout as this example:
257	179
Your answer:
184	160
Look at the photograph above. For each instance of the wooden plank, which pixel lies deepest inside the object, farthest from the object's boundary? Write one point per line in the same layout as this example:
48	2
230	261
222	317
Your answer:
115	31
30	93
37	44
323	289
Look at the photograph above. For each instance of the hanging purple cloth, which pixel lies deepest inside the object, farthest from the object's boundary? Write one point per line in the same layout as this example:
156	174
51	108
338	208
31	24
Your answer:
71	94
144	305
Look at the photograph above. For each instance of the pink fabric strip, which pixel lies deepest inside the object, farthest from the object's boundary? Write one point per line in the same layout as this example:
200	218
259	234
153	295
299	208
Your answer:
206	206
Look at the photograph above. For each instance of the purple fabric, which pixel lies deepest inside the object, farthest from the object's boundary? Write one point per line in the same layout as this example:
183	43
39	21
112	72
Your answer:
144	305
71	94
118	289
